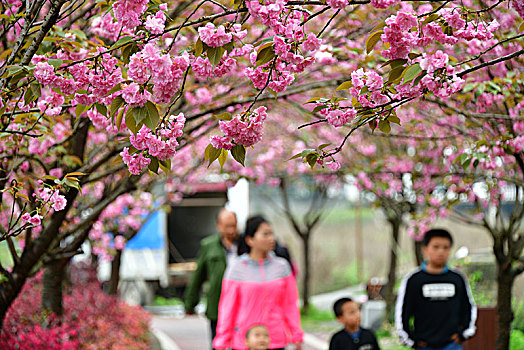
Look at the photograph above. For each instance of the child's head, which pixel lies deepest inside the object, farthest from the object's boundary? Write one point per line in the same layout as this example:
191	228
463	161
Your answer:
347	312
257	338
437	246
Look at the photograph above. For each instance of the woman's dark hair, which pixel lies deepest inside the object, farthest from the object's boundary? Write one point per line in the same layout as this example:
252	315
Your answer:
252	225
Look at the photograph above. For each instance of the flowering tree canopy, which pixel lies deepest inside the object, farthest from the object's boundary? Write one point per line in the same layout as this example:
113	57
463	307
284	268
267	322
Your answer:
89	88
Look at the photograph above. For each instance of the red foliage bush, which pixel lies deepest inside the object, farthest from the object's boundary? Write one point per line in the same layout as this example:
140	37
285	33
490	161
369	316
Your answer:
91	320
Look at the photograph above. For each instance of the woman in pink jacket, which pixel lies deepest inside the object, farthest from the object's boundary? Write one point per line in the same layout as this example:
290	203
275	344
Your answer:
258	288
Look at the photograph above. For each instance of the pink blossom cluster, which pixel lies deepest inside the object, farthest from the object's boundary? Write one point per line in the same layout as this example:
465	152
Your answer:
333	165
166	73
128	12
398	34
432	62
312	43
135	162
35	220
98	81
337	4
479	31
443	86
51	197
382	4
105	26
156	23
339	117
161	145
246	129
518	5
203	69
213	36
134	97
52	104
100	121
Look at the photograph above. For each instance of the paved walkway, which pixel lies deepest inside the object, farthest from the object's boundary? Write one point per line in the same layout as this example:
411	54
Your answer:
176	332
192	333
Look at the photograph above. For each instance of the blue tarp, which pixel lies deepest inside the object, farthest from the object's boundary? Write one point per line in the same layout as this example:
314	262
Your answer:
151	235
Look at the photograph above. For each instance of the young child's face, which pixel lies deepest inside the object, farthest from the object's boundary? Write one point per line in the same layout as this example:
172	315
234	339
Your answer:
258	338
350	317
437	251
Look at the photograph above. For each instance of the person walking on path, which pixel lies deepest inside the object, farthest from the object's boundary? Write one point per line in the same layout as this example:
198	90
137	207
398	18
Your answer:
214	255
438	298
258	289
352	336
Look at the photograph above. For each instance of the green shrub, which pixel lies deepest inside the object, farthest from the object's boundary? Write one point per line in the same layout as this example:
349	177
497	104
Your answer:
518	322
161	301
516	341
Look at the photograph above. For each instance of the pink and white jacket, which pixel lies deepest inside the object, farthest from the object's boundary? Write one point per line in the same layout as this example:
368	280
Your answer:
258	292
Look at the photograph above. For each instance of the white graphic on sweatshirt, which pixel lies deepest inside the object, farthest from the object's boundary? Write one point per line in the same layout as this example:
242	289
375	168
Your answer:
438	290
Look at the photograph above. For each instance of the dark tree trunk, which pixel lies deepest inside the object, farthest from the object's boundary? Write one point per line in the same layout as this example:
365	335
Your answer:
115	273
54	276
417	249
32	253
307	273
505	281
392	273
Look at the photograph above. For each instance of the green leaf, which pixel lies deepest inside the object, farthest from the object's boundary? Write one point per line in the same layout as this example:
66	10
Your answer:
199	48
521	27
430	18
224	116
319	108
395	74
214	54
384	126
317	99
36	89
239	153
121	42
265	55
311	159
324	145
13	70
372	40
152	117
394	119
127	52
264	41
115	105
119	118
378	26
28	96
115	88
411	72
153	166
419	78
165	165
395	63
222	158
413	55
212	154
230	46
102	109
130	120
55	62
79	109
345	86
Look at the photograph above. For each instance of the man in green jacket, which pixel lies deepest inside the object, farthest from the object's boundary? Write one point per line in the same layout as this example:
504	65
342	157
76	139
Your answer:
213	255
